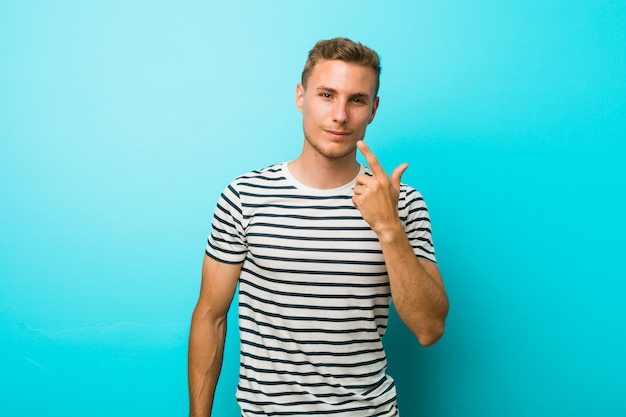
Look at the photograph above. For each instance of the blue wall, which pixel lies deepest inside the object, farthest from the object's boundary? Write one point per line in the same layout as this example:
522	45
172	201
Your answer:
121	122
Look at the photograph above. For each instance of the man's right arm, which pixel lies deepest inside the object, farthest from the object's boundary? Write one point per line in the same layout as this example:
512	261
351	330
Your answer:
208	333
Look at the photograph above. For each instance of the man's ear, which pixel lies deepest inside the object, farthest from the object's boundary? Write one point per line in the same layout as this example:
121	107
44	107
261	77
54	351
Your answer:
299	96
374	108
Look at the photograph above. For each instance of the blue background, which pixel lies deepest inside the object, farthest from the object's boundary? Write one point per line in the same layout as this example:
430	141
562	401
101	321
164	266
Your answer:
122	121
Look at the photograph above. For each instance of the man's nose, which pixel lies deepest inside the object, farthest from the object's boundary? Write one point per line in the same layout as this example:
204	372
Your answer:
340	114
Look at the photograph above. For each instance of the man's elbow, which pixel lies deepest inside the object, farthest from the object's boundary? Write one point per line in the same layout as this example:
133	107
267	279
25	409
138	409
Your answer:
204	314
431	336
427	327
428	330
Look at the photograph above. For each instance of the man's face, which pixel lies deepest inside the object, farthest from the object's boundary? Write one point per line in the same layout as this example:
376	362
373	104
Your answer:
337	104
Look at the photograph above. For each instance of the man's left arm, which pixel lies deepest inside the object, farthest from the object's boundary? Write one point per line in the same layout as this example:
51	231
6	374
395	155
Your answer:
417	288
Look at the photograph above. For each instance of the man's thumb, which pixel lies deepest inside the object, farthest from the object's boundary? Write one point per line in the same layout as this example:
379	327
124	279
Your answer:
396	175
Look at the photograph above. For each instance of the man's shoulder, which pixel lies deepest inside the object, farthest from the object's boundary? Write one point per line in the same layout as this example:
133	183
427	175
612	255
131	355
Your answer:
270	174
409	195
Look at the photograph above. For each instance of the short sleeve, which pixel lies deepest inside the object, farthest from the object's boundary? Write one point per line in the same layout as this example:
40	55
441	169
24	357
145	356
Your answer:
227	242
414	214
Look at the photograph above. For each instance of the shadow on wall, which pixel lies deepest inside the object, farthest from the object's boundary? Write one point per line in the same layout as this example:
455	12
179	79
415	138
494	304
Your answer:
414	369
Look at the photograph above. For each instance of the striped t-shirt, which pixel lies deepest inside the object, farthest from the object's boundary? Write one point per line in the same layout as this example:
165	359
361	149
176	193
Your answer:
313	295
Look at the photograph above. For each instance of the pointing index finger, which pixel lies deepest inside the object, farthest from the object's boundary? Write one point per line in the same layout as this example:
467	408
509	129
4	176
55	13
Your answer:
371	159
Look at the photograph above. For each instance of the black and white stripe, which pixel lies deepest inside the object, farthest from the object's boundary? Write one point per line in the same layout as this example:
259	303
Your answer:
313	295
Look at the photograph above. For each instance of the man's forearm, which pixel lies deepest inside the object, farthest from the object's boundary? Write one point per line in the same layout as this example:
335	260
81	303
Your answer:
418	297
206	352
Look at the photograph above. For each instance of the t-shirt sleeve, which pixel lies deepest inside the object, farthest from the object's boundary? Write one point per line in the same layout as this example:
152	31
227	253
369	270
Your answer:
414	215
227	242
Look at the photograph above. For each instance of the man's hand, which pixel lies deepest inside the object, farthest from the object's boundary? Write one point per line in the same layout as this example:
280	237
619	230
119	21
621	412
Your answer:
376	197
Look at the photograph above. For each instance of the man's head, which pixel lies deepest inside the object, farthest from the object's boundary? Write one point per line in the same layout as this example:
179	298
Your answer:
342	49
337	97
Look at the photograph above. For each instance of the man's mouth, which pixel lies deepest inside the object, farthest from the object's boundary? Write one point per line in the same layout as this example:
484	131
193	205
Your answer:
338	134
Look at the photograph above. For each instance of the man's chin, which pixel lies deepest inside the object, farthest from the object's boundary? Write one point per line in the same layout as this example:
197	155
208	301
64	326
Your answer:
333	151
338	154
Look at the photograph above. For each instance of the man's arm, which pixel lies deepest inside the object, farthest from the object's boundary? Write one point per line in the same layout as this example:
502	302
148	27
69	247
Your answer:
208	333
417	289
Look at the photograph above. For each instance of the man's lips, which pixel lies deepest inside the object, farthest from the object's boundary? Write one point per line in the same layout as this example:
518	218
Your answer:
338	134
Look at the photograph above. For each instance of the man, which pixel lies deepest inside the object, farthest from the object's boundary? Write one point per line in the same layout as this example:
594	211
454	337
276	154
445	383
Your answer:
318	246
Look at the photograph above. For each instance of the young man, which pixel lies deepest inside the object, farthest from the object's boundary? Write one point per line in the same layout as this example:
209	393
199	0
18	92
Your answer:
318	246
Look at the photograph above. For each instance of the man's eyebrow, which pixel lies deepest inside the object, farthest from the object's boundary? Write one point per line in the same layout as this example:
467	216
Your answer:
361	96
326	89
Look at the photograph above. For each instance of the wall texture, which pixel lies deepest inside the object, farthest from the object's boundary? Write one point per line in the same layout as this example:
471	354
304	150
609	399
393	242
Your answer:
121	122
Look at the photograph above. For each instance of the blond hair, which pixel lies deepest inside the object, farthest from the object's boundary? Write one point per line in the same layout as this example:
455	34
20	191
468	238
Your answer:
342	49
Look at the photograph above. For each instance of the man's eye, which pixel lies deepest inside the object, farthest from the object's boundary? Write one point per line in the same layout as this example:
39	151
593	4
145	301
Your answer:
325	95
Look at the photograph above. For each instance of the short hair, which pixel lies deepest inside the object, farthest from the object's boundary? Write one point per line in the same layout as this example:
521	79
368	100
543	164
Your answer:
342	49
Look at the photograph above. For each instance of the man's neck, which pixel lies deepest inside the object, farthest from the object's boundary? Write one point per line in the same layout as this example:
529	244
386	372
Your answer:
316	171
